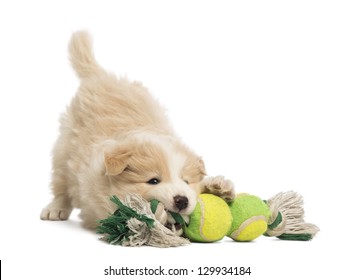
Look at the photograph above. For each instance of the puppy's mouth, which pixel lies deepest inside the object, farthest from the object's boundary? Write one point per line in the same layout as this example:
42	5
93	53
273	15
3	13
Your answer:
176	221
178	204
175	226
183	212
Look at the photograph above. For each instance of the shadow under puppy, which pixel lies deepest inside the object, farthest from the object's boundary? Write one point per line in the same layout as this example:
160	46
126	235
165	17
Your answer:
115	139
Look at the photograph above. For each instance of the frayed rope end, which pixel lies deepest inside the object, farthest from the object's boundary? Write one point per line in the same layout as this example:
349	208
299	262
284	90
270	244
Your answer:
287	218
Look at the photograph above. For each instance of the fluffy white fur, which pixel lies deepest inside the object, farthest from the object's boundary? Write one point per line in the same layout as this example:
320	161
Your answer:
116	139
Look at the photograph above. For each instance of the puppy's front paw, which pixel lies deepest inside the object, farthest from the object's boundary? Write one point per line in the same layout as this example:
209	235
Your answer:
219	186
55	214
58	210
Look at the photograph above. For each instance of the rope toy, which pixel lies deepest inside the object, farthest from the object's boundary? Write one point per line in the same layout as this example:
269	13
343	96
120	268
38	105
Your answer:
137	222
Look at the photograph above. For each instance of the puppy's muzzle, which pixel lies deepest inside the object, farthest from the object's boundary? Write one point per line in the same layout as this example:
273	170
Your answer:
181	202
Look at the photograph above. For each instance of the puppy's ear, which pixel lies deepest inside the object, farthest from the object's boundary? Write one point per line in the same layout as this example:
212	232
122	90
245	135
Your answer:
116	160
201	166
194	170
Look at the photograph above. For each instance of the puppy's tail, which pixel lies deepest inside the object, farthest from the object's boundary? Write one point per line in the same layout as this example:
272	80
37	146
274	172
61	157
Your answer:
81	55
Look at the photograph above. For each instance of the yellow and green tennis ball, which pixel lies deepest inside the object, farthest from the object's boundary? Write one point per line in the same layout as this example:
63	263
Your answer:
210	221
250	215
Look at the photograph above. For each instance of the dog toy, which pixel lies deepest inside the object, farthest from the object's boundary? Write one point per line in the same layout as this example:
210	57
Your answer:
134	224
210	220
280	216
250	216
138	222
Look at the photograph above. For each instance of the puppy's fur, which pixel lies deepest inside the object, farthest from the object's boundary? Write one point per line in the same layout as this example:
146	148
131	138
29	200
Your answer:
114	140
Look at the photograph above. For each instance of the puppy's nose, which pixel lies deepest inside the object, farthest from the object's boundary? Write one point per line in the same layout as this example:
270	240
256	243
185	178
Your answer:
181	202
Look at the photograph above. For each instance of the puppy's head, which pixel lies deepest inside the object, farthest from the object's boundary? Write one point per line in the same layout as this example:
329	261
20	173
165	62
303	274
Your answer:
156	167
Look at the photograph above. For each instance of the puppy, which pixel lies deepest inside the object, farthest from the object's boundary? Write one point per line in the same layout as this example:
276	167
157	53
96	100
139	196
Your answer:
115	139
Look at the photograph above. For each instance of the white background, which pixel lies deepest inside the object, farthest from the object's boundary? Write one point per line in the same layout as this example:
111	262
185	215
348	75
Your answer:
263	90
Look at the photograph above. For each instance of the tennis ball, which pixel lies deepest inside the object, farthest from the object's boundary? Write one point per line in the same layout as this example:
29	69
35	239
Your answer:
210	221
250	215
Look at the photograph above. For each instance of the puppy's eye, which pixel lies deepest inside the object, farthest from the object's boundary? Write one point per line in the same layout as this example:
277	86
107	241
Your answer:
186	181
153	181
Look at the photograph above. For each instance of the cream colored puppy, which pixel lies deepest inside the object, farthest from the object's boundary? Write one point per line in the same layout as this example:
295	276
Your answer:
115	139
